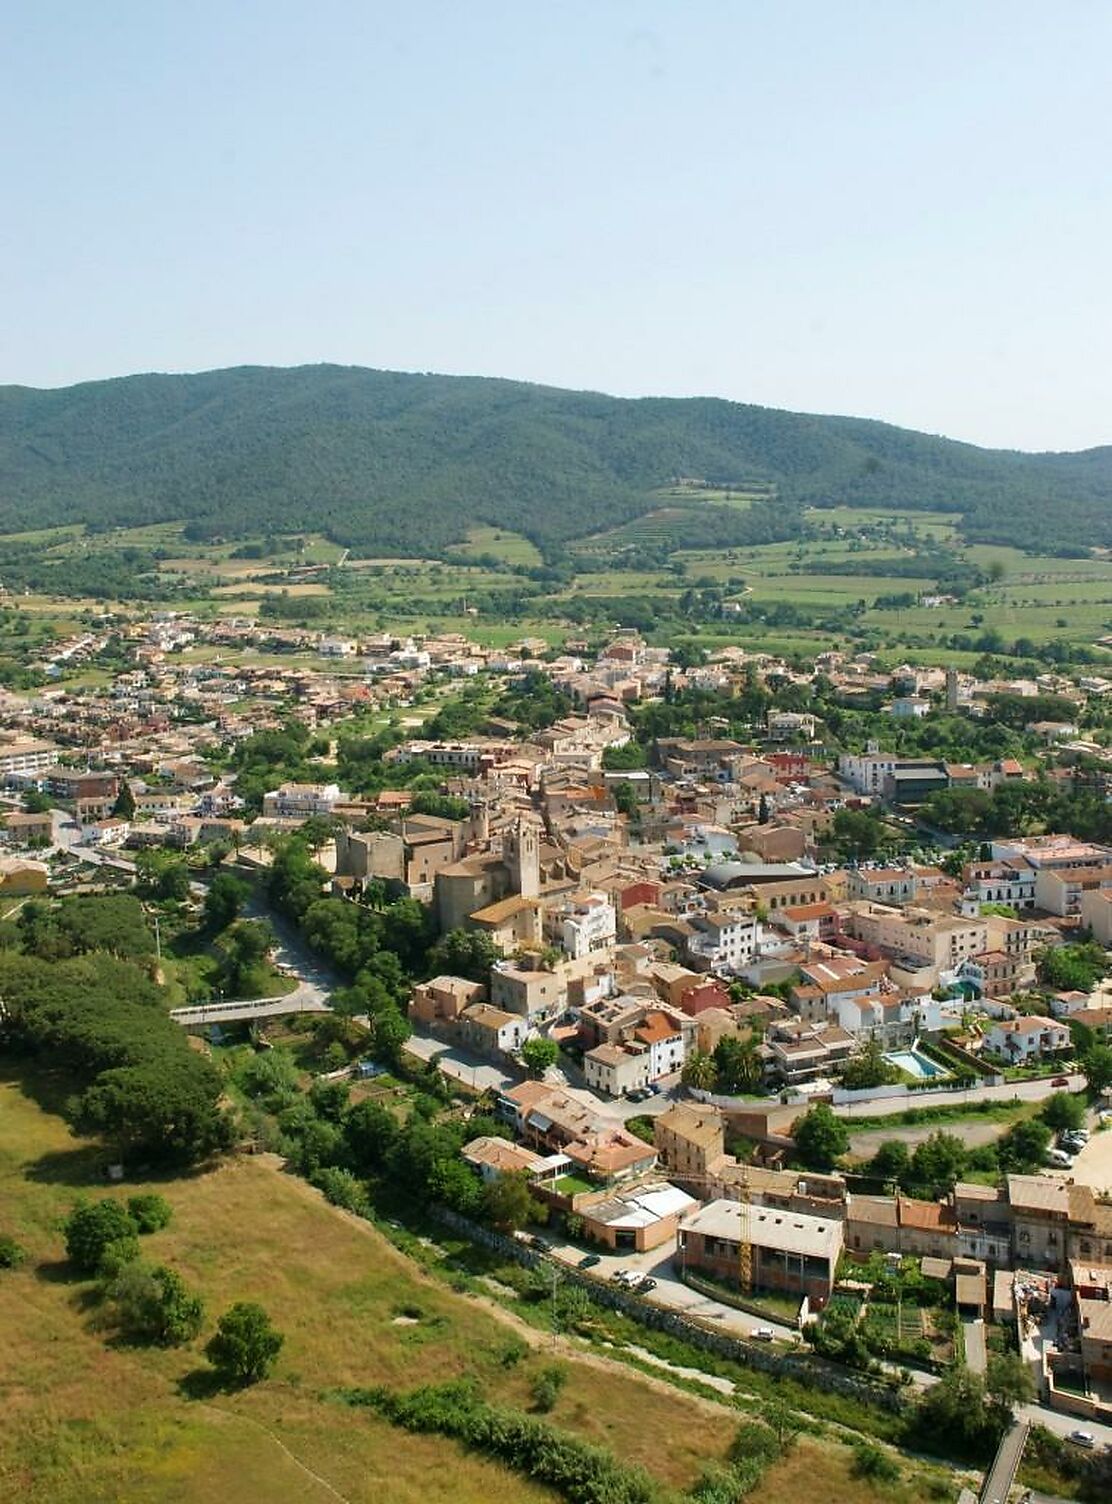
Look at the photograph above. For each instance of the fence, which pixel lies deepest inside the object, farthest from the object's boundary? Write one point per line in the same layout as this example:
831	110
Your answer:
803	1368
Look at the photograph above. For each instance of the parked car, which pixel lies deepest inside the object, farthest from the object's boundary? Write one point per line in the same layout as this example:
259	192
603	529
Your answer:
647	1284
763	1334
1083	1439
589	1260
1060	1081
639	1094
1059	1159
634	1279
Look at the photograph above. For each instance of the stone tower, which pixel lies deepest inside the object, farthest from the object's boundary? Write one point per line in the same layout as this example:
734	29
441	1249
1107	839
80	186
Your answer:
522	854
479	832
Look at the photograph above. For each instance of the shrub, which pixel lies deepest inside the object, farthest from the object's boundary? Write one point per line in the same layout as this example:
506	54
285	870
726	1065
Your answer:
95	1226
754	1442
11	1254
342	1188
870	1462
547	1386
150	1212
582	1473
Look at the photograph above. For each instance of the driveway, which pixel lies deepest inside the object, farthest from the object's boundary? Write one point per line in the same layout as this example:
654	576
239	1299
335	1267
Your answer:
975	1356
672	1292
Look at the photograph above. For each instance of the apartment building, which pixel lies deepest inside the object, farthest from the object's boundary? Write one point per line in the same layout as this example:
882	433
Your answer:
24	756
936	942
724	941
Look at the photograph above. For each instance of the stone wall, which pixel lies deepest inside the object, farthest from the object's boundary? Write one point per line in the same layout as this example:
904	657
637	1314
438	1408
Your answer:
804	1368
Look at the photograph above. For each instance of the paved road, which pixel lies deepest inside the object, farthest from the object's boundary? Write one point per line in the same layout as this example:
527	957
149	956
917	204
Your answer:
1022	1091
301	1000
1062	1425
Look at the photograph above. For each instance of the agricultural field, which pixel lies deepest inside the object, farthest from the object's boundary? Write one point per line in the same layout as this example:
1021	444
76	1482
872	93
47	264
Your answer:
511	548
89	1418
844	581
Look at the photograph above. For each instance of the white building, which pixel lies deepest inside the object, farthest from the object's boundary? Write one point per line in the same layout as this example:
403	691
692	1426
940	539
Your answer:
1023	1039
725	941
26	756
866	772
590	925
298	801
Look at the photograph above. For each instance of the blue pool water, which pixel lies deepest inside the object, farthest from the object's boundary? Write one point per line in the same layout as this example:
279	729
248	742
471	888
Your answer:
915	1064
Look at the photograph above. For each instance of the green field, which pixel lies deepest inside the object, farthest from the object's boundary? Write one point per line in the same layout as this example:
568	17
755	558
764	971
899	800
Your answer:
789	604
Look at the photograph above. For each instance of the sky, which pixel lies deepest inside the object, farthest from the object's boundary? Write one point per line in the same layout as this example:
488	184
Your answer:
901	211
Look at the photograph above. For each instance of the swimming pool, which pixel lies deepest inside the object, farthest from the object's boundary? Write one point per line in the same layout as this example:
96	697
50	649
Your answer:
913	1063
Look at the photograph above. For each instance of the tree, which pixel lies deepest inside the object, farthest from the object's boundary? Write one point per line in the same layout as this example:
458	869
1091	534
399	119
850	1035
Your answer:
391	1031
507	1203
124	807
92	1227
1008	1383
700	1071
784	1422
12	1254
547	1385
891	1162
820	1137
245	1345
938	1163
738	1062
857	834
1063	1111
869	1068
224	901
1023	1148
625	798
245	947
329	1099
954	1414
464	953
155	1305
539	1053
1072	968
1096	1062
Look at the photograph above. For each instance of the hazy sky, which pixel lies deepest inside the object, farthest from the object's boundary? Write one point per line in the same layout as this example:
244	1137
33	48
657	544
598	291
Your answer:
895	209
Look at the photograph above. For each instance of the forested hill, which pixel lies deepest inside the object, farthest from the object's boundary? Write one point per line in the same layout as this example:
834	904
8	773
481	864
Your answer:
406	463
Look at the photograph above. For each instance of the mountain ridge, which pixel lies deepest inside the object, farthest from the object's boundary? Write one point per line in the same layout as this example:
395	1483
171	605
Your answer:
410	461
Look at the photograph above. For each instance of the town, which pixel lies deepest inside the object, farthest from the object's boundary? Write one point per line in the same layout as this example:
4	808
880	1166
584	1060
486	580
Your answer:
777	1029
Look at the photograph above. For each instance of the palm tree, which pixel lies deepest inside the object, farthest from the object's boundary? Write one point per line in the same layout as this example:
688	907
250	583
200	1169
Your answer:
699	1071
